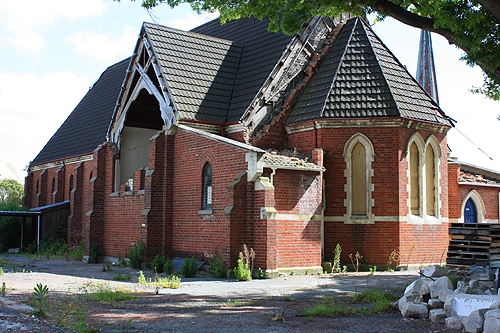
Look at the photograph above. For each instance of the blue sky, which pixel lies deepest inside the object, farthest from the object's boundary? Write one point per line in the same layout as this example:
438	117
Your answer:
52	51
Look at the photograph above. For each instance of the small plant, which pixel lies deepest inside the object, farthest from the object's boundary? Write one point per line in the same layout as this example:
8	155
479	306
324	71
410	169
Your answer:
242	272
106	267
94	253
3	289
336	259
158	263
372	269
356	260
217	266
136	254
393	260
333	308
168	268
454	280
189	267
1	271
292	273
77	252
142	279
381	300
121	277
344	269
261	274
40	299
122	263
248	257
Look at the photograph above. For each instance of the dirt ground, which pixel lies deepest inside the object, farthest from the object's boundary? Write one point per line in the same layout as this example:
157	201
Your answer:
201	304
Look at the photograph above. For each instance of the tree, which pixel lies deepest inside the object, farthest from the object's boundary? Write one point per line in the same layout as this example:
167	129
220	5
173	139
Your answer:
473	26
11	191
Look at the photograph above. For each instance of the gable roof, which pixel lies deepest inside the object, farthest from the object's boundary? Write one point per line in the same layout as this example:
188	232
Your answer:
261	51
200	71
86	126
361	78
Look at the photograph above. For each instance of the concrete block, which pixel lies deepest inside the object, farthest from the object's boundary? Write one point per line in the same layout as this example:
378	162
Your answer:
475	321
415	310
443	293
435	271
408	298
420	286
437	316
454	323
441	283
435	303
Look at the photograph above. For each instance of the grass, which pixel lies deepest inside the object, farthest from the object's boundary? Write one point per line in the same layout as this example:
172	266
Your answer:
110	296
331	307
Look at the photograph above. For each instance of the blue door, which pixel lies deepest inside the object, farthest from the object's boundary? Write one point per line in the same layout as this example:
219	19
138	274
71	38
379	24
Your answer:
470	212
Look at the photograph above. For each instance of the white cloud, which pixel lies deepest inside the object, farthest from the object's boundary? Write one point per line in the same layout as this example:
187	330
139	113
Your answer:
102	46
26	21
32	109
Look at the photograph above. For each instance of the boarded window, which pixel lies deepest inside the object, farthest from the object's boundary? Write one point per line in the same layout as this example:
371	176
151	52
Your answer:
358	164
414	180
207	187
430	181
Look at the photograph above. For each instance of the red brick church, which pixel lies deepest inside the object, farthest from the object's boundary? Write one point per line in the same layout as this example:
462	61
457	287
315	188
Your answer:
228	135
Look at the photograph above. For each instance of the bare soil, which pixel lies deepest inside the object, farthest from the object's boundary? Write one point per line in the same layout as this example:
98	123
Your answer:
201	304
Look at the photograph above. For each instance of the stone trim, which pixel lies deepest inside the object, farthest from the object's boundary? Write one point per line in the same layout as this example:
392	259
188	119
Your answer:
59	163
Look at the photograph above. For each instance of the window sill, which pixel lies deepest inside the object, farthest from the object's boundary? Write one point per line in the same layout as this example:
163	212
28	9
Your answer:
205	212
114	194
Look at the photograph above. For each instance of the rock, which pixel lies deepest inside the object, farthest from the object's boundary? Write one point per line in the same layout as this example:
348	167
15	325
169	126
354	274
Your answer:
462	284
435	303
408	298
492	321
463	290
415	310
495	305
473	323
437	316
481	273
448	306
454	323
443	293
441	283
480	286
420	286
435	271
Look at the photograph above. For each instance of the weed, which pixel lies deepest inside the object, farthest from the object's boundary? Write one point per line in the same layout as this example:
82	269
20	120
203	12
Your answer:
382	300
122	263
286	298
3	289
410	255
372	269
189	267
356	260
261	274
168	268
158	263
121	277
242	272
454	280
344	269
142	279
106	267
77	252
102	292
292	273
94	253
217	266
330	309
40	299
336	259
173	282
136	254
1	271
130	322
393	260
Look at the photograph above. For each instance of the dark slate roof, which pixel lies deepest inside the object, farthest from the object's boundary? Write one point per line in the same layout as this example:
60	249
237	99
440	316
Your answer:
86	127
361	78
261	52
200	71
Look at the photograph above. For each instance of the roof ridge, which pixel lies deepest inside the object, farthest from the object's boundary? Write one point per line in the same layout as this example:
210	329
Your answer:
191	33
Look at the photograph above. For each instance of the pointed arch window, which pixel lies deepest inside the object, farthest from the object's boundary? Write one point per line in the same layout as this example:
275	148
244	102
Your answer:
358	155
71	183
414	179
430	180
206	201
53	184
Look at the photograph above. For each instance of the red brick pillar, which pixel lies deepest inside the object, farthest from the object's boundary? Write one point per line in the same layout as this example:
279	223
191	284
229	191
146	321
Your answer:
237	214
76	206
265	226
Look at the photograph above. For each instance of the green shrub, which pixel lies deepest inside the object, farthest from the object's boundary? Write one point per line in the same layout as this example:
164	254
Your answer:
158	263
217	266
136	254
242	272
336	259
121	277
168	268
94	253
189	267
77	252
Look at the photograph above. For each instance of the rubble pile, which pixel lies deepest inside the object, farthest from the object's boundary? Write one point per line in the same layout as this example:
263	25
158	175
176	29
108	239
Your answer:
473	306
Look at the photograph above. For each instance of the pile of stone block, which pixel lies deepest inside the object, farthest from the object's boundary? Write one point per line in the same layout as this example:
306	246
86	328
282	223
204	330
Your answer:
473	306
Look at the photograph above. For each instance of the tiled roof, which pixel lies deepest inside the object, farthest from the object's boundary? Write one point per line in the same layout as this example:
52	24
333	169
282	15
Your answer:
261	51
200	71
273	160
361	78
86	127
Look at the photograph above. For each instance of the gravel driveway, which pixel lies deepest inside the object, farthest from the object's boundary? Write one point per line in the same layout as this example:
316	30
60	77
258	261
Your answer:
200	304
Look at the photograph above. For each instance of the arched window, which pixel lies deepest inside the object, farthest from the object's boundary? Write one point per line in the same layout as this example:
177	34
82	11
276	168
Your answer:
53	184
414	180
206	202
358	165
71	183
430	181
358	156
37	186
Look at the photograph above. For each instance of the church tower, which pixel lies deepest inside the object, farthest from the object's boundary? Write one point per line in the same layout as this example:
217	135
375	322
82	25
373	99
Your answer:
426	71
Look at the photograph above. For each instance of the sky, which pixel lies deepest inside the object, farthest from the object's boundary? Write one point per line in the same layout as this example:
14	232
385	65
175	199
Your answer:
52	51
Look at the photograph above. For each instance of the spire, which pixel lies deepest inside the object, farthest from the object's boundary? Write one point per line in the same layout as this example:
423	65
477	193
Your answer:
426	71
